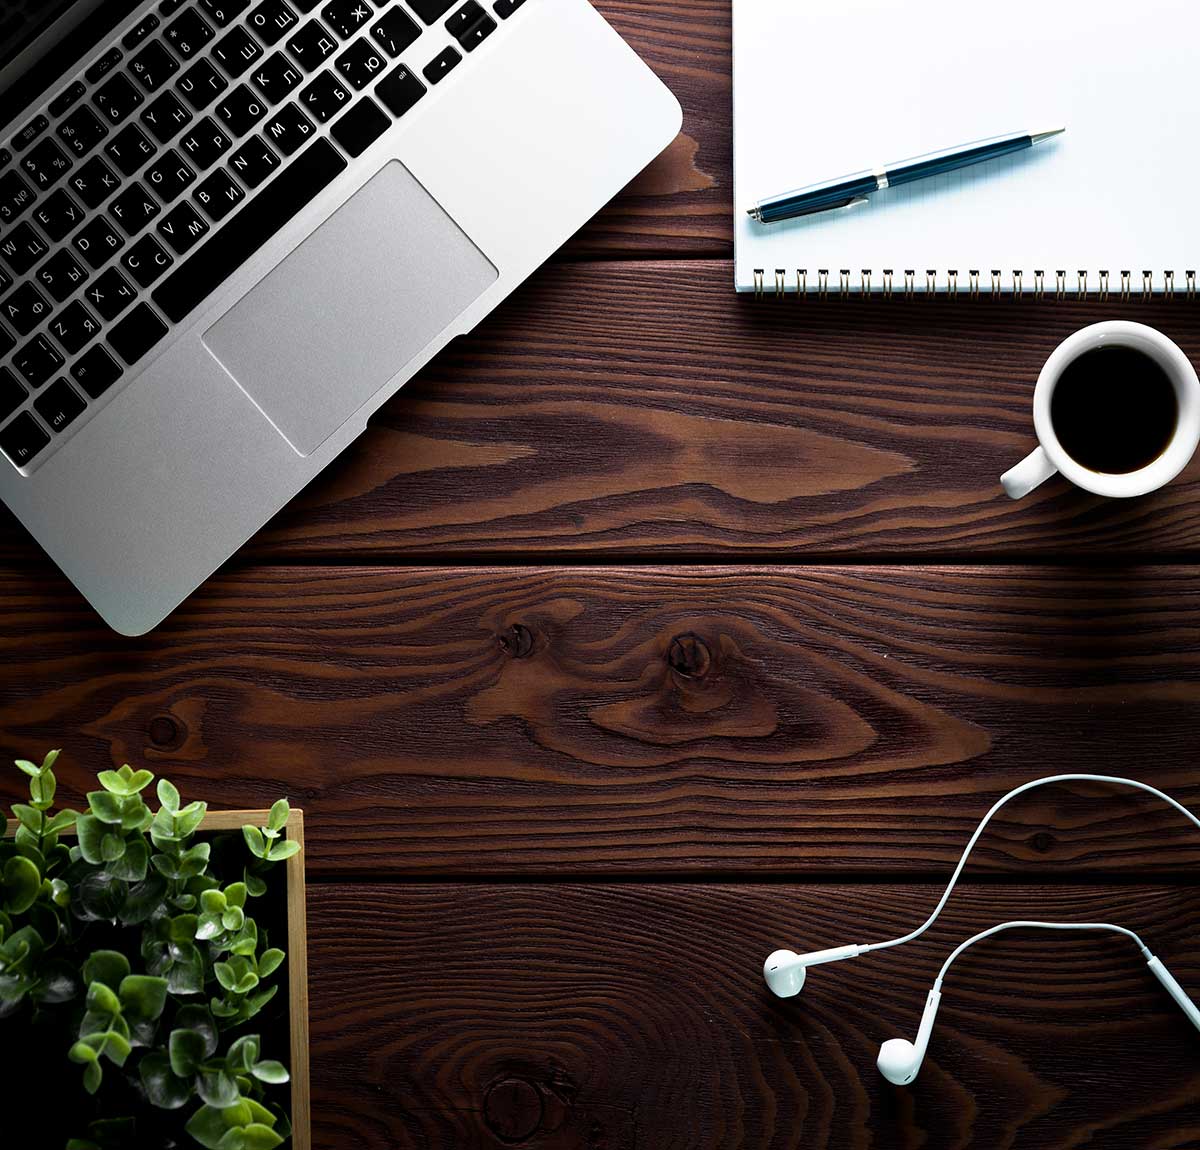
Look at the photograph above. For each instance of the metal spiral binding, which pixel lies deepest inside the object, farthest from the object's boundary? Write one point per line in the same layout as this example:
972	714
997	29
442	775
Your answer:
1039	284
1018	283
1125	290
1104	286
1191	285
1168	285
844	283
931	282
910	283
952	283
865	286
823	283
995	283
974	275
887	283
780	283
758	283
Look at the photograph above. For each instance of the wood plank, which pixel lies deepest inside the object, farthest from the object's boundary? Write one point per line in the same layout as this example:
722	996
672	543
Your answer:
634	1018
643	721
643	410
683	203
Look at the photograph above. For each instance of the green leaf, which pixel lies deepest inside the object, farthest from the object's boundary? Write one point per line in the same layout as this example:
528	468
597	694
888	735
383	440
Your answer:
106	806
235	895
162	1087
182	928
92	1077
58	982
143	997
255	886
102	998
186	975
28	816
208	926
269	962
91	831
186	1049
135	815
83	1053
61	821
168	796
212	902
200	1020
278	817
20	885
225	975
233	919
245	942
271	1071
143	899
190	818
194	861
243	1054
218	1089
126	781
235	1139
133	863
208	1127
106	966
42	788
260	1137
116	1047
284	849
255	841
112	847
29	768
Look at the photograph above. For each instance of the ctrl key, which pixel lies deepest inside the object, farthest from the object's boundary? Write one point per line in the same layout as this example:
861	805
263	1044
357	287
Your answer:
59	404
22	439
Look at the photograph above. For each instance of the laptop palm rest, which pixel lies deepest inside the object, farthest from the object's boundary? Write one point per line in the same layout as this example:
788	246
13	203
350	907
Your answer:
345	311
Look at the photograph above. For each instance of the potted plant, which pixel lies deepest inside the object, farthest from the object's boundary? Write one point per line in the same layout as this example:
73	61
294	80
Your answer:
139	971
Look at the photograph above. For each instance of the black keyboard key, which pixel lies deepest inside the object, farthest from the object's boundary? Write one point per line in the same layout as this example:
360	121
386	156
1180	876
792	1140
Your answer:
312	46
29	133
111	294
201	84
276	77
129	149
253	162
505	8
236	51
182	228
94	182
361	63
324	98
477	33
5	284
241	110
117	99
22	439
24	309
15	196
462	20
59	405
96	371
102	65
12	394
38	360
5	156
289	129
189	34
58	215
97	241
441	65
223	11
168	176
74	327
170	7
248	229
7	340
61	274
431	10
137	333
359	128
346	17
133	209
218	195
139	32
153	66
146	261
205	144
395	30
166	116
272	20
22	248
400	90
82	130
66	98
45	163
305	6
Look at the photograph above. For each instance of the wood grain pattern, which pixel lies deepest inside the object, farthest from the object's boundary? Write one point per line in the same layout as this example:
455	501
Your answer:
633	1017
644	410
685	720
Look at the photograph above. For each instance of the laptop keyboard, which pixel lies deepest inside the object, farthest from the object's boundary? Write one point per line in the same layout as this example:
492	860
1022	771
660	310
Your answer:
184	146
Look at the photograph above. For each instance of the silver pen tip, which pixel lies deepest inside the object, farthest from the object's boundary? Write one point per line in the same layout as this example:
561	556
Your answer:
1038	137
754	213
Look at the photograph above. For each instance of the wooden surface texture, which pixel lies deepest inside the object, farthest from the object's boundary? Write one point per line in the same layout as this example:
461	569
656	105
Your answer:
650	628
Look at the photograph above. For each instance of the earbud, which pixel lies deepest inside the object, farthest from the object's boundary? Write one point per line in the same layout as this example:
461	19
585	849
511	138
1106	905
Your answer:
1176	991
899	1060
785	970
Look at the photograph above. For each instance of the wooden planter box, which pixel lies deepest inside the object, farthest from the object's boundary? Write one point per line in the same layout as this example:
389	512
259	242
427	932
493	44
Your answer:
297	957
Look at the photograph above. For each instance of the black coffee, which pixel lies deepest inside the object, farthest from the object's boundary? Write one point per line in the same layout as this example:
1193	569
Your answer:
1114	410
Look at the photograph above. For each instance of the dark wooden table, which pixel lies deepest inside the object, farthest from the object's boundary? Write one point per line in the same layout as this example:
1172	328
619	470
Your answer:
652	628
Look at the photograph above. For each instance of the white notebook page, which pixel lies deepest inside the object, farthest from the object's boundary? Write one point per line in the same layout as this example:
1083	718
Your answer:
823	88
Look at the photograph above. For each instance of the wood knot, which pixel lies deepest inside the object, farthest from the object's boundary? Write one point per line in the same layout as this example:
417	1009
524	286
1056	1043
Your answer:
166	732
689	656
517	641
513	1109
1042	842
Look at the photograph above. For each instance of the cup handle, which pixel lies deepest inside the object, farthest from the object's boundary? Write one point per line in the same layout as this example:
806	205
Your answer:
1031	472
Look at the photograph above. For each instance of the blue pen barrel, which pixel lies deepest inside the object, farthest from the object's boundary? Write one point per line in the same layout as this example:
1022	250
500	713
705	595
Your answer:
818	197
935	163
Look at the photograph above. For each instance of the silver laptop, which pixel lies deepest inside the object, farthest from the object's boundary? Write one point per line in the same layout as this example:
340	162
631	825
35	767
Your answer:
230	229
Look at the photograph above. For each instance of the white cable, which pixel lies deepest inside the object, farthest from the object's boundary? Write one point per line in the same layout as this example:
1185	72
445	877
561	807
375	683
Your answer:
1041	926
962	862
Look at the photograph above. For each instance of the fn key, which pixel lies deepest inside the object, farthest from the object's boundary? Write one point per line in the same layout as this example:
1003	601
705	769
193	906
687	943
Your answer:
136	334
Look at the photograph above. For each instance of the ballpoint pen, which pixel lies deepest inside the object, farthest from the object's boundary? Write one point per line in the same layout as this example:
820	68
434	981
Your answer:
847	191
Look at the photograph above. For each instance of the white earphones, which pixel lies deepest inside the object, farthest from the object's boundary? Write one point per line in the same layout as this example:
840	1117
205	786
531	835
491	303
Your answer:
899	1060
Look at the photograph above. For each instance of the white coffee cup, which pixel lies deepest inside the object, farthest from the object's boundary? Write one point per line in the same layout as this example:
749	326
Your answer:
1050	458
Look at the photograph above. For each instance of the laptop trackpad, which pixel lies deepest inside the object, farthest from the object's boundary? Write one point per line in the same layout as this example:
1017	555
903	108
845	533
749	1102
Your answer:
367	291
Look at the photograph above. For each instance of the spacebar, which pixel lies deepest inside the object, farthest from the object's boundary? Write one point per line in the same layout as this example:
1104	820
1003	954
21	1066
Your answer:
247	230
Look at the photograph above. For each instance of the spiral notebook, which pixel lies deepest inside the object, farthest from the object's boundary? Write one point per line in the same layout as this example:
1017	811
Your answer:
827	87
